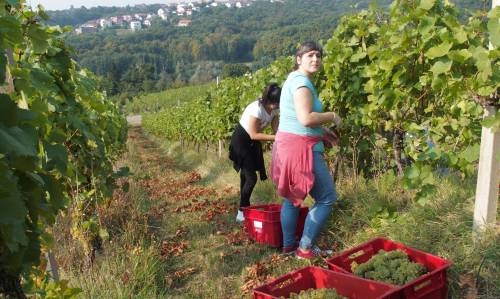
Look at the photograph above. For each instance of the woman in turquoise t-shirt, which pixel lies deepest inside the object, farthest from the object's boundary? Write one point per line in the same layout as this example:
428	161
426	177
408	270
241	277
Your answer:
301	113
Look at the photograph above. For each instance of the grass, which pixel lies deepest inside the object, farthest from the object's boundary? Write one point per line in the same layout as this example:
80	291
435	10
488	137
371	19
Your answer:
173	235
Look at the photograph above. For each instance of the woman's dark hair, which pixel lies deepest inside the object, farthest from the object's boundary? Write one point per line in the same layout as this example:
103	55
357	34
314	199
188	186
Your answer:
271	94
307	47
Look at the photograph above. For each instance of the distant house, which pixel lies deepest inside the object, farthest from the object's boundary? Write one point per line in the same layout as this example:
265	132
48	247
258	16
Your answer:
162	13
184	23
105	23
140	16
147	23
127	18
192	6
189	12
181	9
93	23
86	29
135	25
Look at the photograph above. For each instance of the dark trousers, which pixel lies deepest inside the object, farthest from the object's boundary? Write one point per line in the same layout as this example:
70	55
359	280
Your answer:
248	179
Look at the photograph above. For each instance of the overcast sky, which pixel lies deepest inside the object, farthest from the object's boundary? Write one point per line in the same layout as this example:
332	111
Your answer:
65	4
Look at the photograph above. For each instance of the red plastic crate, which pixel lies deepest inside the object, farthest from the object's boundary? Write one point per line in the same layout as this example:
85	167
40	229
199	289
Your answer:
432	285
263	224
316	278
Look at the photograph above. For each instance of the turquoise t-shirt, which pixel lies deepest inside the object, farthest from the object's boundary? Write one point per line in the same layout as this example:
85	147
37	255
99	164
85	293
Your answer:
288	116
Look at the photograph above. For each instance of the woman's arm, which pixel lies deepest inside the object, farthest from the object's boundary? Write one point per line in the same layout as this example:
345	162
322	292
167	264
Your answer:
275	123
253	131
303	100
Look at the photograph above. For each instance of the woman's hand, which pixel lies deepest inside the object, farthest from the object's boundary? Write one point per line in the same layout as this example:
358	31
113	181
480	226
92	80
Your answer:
337	120
330	138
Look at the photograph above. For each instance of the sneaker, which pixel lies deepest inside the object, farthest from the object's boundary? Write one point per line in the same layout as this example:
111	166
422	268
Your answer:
305	255
313	252
288	250
322	252
240	217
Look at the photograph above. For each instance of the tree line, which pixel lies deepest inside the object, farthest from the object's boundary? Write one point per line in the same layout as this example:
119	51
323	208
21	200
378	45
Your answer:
166	56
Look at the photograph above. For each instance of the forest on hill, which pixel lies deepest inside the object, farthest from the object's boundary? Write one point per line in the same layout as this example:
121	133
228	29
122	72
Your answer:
165	56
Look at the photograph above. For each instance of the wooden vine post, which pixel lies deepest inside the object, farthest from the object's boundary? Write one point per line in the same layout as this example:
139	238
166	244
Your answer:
221	147
485	208
8	85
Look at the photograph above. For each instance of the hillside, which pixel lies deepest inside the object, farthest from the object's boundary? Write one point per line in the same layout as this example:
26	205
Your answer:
165	55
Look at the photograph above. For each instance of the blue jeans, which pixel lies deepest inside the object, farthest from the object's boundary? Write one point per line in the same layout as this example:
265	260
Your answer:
324	195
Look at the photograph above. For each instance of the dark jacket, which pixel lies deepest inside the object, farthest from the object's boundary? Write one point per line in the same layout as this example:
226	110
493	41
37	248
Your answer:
246	153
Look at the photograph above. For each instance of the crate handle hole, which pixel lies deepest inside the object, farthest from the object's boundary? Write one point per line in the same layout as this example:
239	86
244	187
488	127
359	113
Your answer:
283	283
356	254
422	285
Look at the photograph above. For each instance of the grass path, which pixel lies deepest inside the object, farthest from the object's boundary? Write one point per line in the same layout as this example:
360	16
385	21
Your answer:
206	253
173	234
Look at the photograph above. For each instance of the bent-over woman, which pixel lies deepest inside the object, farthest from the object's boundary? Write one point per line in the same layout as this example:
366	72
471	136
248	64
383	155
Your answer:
245	149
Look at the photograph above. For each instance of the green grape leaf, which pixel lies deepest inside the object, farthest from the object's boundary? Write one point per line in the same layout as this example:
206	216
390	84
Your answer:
358	56
12	210
483	62
56	196
460	55
492	122
3	64
18	141
13	2
486	90
23	163
412	172
494	26
60	62
439	50
8	111
10	32
42	81
57	135
426	24
460	35
471	153
56	157
441	67
39	39
42	13
427	4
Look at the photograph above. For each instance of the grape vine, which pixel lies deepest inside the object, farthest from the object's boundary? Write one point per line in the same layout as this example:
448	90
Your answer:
410	83
58	138
413	83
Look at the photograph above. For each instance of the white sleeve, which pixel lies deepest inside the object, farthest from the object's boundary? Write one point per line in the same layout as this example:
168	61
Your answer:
255	110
